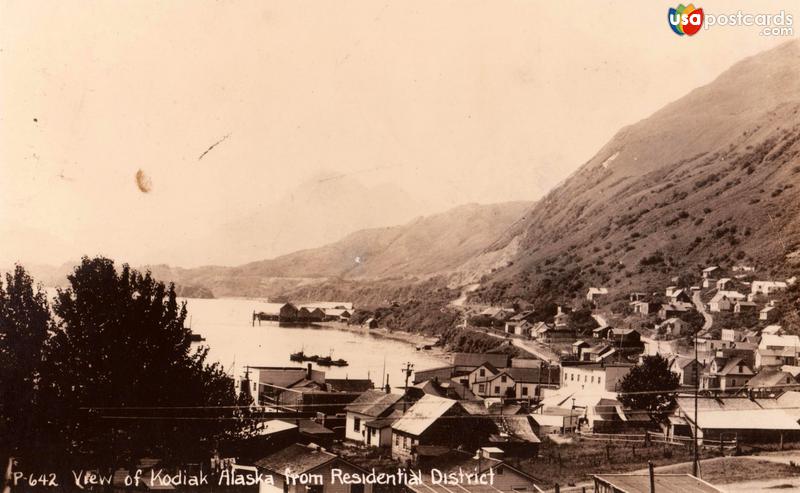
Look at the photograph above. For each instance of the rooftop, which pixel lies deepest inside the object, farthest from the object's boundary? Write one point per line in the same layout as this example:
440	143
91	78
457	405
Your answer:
664	483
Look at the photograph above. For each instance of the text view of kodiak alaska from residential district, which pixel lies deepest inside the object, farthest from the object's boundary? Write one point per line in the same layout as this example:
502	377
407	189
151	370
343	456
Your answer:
400	247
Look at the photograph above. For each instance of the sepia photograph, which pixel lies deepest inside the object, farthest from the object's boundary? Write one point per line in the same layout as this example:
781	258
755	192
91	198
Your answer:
399	246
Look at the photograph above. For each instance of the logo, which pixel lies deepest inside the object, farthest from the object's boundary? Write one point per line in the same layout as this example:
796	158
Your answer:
685	19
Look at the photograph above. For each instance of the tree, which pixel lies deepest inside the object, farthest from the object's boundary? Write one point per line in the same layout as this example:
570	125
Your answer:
649	387
121	378
24	325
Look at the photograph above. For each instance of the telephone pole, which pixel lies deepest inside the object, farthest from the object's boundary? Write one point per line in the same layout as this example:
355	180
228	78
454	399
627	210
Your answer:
407	370
695	463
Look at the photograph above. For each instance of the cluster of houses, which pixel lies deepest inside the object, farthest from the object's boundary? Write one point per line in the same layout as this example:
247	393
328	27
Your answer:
304	314
480	410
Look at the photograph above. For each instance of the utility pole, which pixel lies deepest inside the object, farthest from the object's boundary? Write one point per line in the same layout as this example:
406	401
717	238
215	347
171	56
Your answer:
407	370
695	463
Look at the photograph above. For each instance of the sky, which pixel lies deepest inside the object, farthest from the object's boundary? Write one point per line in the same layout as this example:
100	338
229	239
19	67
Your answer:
451	101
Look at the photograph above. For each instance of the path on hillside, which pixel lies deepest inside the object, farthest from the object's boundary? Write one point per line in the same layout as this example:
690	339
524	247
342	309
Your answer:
708	320
462	300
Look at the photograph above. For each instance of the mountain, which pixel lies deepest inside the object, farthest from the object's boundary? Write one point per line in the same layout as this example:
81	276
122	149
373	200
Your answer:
434	245
711	178
314	212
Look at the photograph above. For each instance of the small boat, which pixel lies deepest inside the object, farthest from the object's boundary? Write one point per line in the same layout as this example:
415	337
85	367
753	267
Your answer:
328	361
298	356
196	338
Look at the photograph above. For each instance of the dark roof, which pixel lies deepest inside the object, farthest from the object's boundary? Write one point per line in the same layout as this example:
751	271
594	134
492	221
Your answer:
349	384
382	422
524	375
666	483
310	427
513	429
298	458
375	403
477	359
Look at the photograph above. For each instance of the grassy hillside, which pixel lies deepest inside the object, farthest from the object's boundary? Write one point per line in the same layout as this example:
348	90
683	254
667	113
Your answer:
710	179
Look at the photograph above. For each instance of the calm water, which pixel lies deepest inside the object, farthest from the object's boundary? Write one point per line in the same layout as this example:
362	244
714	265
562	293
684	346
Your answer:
235	343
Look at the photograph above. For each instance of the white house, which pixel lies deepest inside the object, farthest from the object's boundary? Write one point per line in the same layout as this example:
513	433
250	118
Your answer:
723	301
767	287
777	350
370	406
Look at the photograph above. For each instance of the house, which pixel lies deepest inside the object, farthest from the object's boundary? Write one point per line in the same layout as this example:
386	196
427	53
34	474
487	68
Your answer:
657	346
267	383
370	406
748	420
625	338
513	434
497	313
688	370
337	315
636	296
772	330
348	384
523	316
562	316
672	310
672	327
732	335
310	315
489	381
601	332
309	460
371	323
471	361
549	420
595	293
723	301
519	328
276	312
598	376
429	422
449	389
768	314
726	375
680	296
505	477
642	483
744	307
645	307
771	381
777	350
767	287
724	284
709	272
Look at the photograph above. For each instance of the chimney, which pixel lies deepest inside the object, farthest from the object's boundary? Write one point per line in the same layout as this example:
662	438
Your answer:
308	371
388	387
652	477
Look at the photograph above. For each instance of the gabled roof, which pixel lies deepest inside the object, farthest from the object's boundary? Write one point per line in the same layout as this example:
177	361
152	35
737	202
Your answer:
476	359
524	375
789	341
732	365
349	384
513	429
664	483
297	458
769	377
375	403
424	413
730	295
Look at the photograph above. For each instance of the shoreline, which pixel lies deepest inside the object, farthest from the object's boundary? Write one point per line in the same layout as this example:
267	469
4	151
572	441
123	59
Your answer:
396	335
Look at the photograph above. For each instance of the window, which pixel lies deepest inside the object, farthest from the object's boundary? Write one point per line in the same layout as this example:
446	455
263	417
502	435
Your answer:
357	424
571	377
496	389
357	488
397	440
599	380
482	372
524	390
503	379
405	442
592	378
482	388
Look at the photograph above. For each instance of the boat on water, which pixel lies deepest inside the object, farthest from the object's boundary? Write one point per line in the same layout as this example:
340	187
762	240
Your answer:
328	361
193	337
300	356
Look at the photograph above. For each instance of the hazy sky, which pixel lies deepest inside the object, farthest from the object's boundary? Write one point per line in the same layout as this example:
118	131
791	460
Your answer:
455	102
